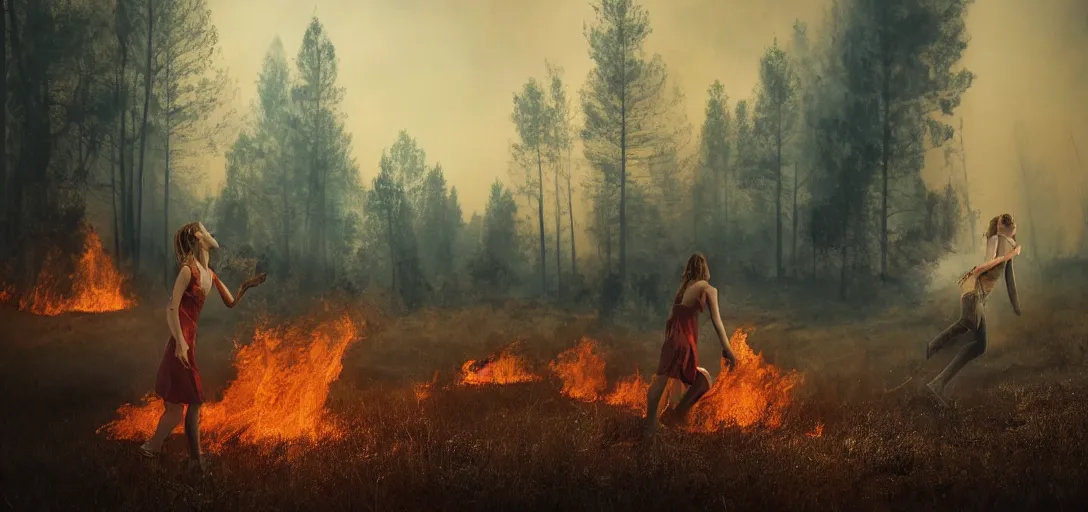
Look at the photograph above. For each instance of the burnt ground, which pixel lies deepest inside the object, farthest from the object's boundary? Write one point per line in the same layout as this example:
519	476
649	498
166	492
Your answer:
1016	438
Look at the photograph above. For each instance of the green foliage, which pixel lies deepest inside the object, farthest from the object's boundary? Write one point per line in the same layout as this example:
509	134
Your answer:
496	267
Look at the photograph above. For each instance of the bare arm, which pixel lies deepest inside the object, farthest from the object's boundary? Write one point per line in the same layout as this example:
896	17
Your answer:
993	259
173	321
1010	283
716	318
224	293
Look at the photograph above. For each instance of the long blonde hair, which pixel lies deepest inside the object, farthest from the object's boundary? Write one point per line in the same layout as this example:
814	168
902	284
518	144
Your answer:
695	270
186	243
1005	219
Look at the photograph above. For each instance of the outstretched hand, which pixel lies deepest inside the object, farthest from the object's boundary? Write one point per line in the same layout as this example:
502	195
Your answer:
730	359
255	280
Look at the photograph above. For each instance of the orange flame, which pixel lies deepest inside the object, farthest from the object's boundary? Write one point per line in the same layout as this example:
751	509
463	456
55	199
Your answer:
630	393
279	394
817	431
755	393
582	371
96	285
423	390
502	368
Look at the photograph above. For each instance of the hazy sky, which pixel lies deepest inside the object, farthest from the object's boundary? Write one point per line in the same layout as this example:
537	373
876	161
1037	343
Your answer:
446	70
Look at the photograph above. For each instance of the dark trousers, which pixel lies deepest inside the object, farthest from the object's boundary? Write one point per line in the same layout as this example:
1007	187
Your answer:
972	320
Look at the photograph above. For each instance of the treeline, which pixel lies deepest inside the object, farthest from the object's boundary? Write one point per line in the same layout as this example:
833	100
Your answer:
815	177
108	103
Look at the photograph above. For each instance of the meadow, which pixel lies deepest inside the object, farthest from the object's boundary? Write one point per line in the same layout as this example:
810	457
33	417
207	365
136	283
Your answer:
400	430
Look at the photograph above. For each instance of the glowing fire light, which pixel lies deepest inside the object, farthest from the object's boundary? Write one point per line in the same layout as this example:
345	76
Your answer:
756	393
279	395
582	371
96	285
630	393
816	431
502	368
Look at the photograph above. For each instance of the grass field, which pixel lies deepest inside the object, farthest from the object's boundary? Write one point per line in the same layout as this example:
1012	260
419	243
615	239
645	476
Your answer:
1016	438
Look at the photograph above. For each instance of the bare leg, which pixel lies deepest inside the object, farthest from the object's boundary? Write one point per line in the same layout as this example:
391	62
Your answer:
653	401
969	318
695	392
969	352
952	332
171	415
192	430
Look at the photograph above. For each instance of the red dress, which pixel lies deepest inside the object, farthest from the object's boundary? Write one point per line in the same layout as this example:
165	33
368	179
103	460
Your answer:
176	383
679	358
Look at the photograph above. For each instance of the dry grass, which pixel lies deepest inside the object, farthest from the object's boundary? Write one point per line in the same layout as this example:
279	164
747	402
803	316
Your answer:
1015	440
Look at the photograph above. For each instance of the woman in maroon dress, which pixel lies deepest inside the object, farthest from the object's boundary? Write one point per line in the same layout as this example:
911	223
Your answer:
178	381
679	358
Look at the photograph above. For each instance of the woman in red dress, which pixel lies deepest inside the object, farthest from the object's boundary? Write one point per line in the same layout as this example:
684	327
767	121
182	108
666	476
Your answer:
178	381
679	358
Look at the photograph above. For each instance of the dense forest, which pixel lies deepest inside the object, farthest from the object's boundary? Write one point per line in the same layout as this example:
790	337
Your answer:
815	177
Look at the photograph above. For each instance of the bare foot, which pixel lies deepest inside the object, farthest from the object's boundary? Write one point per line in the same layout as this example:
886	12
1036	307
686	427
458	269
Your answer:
937	395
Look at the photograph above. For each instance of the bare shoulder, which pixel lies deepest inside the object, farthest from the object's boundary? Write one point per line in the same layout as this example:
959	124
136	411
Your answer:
185	272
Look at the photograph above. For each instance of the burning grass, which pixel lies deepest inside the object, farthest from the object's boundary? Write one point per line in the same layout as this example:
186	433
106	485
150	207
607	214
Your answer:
755	393
527	447
94	286
279	393
502	368
582	371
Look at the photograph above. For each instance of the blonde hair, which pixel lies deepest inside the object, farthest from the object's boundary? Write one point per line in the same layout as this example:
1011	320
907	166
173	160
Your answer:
1005	219
185	242
695	270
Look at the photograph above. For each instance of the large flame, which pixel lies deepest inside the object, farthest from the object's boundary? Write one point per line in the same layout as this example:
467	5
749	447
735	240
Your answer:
582	371
96	285
502	368
279	394
756	393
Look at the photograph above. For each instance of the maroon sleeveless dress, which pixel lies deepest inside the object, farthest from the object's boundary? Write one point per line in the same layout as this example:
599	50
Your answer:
679	357
175	383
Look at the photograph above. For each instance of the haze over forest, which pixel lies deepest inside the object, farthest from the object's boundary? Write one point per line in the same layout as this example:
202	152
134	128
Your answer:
572	150
445	71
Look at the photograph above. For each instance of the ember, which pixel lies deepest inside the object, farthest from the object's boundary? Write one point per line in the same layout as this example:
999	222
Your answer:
817	431
96	285
502	368
582	371
756	393
283	381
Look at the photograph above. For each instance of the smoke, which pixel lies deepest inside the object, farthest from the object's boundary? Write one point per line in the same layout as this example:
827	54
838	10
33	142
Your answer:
446	71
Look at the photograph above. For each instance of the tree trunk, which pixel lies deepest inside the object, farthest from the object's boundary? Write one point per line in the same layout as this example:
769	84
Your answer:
392	253
119	144
885	157
558	239
967	190
143	134
778	194
166	175
540	215
623	167
122	156
794	214
695	209
1024	182
570	215
812	232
